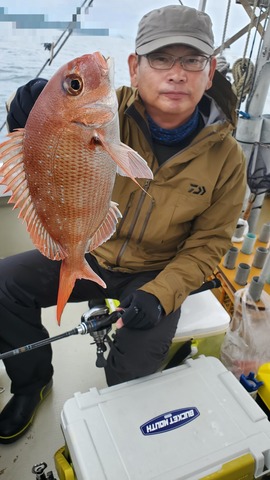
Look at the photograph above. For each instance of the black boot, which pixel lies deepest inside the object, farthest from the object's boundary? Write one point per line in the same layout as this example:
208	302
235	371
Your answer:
19	412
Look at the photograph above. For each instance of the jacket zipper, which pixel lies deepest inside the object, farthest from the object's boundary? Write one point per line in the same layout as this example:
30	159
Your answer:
130	201
133	223
146	220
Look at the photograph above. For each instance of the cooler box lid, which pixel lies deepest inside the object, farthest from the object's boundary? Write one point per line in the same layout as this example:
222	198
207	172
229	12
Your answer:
202	315
185	423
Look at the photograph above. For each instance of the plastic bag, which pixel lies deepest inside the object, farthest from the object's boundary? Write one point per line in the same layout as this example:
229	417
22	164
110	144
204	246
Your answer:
246	344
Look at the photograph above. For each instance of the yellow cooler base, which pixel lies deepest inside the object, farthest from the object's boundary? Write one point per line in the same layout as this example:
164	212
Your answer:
240	468
63	465
208	346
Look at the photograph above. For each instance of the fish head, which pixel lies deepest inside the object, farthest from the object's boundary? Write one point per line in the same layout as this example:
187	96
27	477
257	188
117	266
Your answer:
80	92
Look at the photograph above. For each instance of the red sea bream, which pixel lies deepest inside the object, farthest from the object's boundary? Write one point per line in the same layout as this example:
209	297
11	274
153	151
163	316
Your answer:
61	168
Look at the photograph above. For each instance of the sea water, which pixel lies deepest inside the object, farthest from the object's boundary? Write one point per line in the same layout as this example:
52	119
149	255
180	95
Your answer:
23	56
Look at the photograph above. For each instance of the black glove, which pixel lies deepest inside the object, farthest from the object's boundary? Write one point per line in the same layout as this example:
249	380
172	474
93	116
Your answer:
142	310
23	102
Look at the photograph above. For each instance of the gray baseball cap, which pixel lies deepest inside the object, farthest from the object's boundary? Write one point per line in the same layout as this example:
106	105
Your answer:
175	24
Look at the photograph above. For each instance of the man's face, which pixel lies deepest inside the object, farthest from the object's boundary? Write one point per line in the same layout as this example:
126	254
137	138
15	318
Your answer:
170	96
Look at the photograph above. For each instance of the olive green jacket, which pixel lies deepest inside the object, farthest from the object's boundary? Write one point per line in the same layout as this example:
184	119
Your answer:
183	225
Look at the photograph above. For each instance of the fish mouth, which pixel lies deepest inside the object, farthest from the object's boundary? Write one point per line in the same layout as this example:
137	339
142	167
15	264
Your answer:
110	63
100	105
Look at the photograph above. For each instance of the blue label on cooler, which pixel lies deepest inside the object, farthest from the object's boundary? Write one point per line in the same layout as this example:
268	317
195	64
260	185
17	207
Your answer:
169	421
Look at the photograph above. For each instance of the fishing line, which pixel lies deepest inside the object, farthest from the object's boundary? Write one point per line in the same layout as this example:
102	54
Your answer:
68	31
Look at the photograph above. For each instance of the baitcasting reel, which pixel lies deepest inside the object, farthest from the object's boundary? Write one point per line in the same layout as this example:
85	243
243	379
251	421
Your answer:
102	314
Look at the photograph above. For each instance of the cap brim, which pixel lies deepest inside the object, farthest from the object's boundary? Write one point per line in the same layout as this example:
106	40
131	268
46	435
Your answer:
184	40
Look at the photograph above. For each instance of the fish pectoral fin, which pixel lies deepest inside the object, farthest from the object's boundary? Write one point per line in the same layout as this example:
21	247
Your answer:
107	228
130	163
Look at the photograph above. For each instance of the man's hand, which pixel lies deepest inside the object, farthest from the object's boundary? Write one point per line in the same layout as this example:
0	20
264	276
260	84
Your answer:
142	310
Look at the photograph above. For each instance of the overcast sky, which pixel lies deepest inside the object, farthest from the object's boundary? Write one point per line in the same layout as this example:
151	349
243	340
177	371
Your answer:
124	14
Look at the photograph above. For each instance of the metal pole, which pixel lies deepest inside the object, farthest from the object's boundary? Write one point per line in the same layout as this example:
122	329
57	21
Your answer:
202	5
259	92
251	129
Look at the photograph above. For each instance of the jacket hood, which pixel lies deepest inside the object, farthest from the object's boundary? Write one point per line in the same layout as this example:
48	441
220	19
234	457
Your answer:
221	92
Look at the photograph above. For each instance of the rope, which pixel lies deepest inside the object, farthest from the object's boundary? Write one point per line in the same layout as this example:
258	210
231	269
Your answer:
222	65
243	69
225	25
242	72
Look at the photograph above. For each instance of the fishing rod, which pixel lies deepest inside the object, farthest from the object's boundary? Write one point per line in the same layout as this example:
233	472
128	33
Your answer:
97	321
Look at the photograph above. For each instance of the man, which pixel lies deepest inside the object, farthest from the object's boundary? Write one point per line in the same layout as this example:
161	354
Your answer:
168	242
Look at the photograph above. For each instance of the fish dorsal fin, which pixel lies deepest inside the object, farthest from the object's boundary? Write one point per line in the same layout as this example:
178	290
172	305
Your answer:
107	228
15	180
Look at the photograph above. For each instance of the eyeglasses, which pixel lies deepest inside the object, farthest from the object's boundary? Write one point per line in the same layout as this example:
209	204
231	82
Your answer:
165	61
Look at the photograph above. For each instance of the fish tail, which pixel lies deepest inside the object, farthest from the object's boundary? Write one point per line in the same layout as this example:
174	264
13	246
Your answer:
67	282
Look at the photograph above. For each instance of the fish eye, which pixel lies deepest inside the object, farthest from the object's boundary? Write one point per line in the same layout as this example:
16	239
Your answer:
73	84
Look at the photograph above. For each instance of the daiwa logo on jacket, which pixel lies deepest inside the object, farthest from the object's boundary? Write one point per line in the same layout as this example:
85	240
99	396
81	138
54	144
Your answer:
169	421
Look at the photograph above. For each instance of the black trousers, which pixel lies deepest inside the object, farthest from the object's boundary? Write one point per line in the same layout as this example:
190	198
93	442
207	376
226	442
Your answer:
29	282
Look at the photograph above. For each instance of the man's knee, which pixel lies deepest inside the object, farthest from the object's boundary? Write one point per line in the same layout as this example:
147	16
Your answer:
137	353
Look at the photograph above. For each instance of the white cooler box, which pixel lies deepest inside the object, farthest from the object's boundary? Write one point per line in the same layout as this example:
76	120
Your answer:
203	320
191	422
